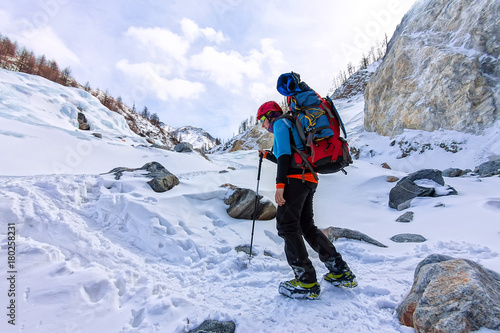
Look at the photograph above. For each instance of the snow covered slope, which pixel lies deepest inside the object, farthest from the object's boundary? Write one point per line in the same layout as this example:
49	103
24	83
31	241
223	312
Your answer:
96	254
39	131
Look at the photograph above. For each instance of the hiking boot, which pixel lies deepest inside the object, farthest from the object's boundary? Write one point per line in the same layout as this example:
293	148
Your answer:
297	289
343	277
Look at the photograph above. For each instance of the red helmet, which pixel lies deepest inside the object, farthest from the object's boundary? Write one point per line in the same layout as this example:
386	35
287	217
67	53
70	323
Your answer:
268	107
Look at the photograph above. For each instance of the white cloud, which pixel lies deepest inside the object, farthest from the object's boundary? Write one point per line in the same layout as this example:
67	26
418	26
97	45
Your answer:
151	77
192	31
39	39
164	40
260	91
227	69
230	69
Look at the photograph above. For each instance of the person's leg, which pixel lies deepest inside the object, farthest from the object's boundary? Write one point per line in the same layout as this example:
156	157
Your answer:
315	237
339	272
288	218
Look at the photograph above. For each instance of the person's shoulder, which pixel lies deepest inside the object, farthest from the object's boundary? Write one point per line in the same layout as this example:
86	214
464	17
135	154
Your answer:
282	123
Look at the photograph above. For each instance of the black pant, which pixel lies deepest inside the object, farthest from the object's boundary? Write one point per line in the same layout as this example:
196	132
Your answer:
295	223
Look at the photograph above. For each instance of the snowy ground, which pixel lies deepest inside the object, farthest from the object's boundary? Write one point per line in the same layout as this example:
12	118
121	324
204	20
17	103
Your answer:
95	254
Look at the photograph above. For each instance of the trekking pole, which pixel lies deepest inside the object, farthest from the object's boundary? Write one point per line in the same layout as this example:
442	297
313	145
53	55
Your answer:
256	201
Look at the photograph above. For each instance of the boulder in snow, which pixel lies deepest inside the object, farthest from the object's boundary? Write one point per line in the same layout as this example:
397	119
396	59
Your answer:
215	326
408	238
488	169
452	172
241	203
451	295
184	147
82	122
163	180
334	233
423	183
406	217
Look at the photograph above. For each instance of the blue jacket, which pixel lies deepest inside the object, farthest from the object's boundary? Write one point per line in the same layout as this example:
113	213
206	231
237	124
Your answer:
282	150
282	129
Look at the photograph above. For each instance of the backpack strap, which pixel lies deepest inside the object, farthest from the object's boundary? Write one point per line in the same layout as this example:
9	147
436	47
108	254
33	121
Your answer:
306	163
332	112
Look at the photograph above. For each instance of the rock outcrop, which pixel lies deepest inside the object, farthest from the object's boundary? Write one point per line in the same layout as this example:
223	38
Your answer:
451	295
441	70
253	138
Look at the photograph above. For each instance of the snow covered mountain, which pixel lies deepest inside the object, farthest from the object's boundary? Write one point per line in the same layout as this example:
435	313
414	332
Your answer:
98	254
196	136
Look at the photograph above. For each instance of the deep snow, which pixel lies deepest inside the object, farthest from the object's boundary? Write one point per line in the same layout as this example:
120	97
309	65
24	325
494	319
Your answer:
95	254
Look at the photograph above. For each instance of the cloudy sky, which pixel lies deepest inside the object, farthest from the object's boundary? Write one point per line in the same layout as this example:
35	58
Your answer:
209	63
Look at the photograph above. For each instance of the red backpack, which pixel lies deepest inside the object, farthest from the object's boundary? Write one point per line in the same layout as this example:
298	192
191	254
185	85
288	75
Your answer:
322	155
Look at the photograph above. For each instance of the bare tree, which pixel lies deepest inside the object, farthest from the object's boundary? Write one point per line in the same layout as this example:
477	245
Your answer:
154	119
350	69
8	49
53	71
41	63
65	76
22	60
365	61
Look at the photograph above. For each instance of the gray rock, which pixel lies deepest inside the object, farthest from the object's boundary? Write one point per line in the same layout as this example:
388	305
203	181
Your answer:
246	249
488	169
184	147
432	174
452	172
163	183
82	122
441	70
408	238
163	180
334	233
214	326
97	135
406	217
406	189
451	295
404	192
241	203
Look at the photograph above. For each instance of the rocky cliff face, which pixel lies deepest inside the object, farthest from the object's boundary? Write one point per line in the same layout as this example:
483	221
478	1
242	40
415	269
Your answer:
441	70
254	138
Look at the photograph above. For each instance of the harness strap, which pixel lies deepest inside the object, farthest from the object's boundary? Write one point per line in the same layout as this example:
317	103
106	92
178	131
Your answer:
306	162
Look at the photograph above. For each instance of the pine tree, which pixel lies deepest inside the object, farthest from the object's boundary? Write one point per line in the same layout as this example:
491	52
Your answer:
145	112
